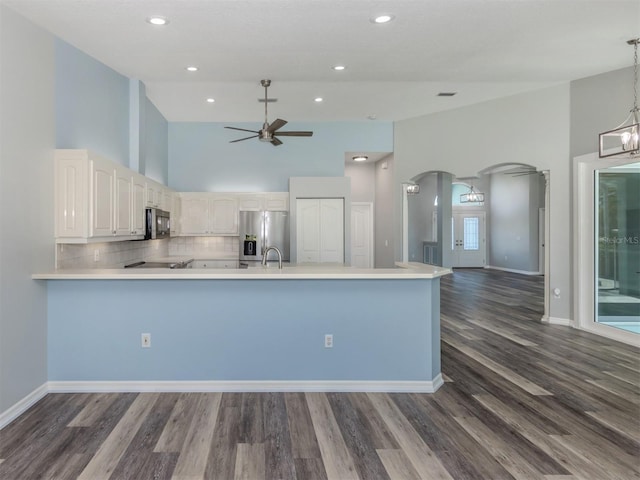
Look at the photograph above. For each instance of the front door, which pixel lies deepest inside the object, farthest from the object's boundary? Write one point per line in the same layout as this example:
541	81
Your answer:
468	239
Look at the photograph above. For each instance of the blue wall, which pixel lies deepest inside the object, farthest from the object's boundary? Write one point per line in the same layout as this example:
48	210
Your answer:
202	159
156	144
207	330
92	104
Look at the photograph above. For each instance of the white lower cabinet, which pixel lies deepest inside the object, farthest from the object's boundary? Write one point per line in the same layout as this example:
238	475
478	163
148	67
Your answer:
215	264
320	230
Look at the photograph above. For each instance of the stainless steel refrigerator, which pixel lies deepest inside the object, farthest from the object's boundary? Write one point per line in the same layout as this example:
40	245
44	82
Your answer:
259	230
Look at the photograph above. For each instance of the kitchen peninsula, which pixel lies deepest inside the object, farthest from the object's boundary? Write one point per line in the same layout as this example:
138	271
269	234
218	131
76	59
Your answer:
258	329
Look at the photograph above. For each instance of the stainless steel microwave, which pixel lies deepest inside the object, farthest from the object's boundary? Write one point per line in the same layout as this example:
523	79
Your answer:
158	224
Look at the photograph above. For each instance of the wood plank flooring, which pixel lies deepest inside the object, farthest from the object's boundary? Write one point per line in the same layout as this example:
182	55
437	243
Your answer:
521	400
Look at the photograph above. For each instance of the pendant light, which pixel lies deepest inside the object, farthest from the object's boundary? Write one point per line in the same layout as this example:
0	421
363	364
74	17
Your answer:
472	197
625	138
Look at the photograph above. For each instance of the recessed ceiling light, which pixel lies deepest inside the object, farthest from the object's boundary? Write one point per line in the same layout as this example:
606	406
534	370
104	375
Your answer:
318	99
210	100
386	18
338	68
157	20
192	68
360	158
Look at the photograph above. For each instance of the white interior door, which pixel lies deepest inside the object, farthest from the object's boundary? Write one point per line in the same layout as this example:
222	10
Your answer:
468	239
362	235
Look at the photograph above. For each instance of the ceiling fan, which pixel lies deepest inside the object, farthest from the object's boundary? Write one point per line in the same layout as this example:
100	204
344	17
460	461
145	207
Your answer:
269	133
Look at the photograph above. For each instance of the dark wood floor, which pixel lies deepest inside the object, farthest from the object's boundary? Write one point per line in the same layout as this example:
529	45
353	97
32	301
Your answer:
521	400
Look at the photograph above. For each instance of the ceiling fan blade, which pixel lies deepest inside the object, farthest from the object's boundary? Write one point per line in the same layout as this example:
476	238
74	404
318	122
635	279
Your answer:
294	134
276	124
241	139
242	129
275	142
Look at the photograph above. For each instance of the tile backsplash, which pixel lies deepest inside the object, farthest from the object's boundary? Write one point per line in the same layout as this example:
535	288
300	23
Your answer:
212	247
110	254
118	254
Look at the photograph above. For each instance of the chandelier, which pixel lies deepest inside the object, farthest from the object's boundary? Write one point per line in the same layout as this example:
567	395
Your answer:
625	137
472	197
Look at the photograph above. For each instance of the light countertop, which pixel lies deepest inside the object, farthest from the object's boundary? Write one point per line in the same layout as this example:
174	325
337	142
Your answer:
409	270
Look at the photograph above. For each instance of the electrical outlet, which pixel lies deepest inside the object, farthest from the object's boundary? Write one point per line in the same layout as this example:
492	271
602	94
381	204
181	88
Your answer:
146	340
96	255
328	341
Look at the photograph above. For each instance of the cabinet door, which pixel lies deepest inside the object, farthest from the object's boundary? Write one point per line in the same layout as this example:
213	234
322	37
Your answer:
166	203
176	214
223	214
71	197
138	205
277	201
195	215
250	202
122	207
332	230
153	194
308	230
102	188
320	230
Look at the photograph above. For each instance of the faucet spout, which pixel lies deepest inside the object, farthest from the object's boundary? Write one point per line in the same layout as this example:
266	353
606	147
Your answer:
266	253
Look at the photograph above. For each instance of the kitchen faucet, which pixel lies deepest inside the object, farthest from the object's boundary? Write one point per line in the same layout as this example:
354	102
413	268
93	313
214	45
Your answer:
266	252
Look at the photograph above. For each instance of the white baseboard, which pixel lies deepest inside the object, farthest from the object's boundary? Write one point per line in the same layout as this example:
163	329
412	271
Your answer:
250	386
20	407
565	322
511	270
23	405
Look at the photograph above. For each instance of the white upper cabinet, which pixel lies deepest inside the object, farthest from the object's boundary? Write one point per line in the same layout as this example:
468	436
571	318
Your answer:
138	202
71	192
154	194
223	215
195	214
273	201
176	214
208	214
102	198
123	200
97	200
277	201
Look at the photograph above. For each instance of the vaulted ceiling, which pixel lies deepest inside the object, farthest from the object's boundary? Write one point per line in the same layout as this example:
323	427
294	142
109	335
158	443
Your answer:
480	49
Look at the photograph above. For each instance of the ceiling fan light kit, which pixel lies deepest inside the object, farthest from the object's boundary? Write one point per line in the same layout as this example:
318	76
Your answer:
625	138
269	132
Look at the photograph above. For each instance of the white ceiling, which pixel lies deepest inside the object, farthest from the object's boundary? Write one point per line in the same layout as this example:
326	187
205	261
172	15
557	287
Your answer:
482	49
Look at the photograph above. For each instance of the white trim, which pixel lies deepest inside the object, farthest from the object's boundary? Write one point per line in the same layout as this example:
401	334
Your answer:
249	386
23	405
584	168
565	322
521	272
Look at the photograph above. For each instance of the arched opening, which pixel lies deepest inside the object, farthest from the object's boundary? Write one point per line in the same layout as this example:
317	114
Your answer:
505	230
